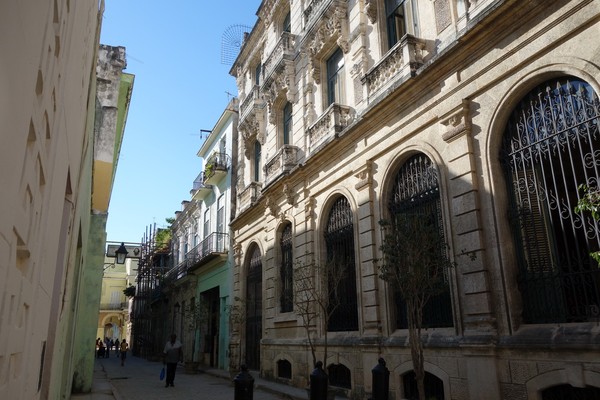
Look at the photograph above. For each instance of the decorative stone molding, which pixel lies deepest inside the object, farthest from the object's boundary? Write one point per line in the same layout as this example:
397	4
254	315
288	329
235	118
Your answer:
284	160
443	17
334	120
331	28
271	207
364	176
309	208
371	10
288	192
280	85
237	254
458	123
270	10
400	62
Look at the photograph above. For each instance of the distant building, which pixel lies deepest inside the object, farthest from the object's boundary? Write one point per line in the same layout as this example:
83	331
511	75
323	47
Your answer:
58	157
482	114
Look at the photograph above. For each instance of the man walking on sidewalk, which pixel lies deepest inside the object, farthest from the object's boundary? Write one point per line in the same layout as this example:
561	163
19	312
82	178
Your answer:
172	354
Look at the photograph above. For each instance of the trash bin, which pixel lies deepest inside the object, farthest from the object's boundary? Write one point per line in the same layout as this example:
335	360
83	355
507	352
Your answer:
243	385
381	381
318	383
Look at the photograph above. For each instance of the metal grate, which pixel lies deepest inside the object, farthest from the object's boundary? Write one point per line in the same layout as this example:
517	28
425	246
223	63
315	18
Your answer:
287	290
551	146
416	191
339	242
254	309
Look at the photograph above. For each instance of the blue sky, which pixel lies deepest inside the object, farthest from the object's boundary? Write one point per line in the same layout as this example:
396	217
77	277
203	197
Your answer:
174	50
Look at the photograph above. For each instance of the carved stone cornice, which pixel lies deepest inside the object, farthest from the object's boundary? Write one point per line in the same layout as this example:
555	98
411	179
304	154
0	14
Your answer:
309	208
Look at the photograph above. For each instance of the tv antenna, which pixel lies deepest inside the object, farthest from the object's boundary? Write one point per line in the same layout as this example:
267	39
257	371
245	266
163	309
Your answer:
232	41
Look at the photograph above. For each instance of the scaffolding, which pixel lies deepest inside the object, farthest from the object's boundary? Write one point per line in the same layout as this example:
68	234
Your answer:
149	310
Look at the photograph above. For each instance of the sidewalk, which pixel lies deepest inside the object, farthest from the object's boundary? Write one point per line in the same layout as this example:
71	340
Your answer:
139	380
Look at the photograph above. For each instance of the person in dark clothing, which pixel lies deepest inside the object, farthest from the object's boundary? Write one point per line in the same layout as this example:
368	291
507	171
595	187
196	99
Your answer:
172	354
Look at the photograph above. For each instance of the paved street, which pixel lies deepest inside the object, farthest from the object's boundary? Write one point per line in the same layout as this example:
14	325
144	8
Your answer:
139	380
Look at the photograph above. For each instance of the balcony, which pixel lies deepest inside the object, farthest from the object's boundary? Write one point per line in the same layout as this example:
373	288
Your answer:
282	55
397	65
113	306
215	245
178	272
249	195
216	168
251	104
200	190
334	120
282	163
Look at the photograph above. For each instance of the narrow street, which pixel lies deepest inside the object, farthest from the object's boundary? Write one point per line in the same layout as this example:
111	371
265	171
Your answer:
139	379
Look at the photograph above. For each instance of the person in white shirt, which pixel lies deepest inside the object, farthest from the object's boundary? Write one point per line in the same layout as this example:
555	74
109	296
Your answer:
172	354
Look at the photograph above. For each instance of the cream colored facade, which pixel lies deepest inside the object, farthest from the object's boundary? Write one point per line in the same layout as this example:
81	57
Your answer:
443	94
54	200
114	305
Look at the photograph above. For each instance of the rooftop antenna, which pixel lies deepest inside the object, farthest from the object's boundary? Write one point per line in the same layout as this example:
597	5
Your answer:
232	41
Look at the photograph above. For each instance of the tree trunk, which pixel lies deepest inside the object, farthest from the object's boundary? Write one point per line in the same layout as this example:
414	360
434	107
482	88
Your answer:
416	344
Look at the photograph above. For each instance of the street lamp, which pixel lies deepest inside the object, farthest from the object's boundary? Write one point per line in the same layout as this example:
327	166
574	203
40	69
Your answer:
121	253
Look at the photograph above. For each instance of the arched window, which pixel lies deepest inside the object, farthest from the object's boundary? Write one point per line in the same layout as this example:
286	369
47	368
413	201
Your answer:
551	146
286	271
284	369
257	156
416	191
339	375
341	269
434	387
254	308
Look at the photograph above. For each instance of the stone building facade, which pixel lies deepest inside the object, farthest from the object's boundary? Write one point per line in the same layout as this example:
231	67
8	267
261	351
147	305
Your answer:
481	113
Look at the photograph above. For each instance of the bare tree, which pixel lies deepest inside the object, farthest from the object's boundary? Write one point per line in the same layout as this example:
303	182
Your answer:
316	298
416	265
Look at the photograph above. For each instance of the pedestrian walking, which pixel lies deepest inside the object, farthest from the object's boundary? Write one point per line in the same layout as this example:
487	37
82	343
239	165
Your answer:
172	354
124	348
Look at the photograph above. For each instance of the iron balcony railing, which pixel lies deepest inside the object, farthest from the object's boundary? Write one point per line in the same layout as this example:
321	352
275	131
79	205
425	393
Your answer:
215	244
215	163
178	271
113	306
